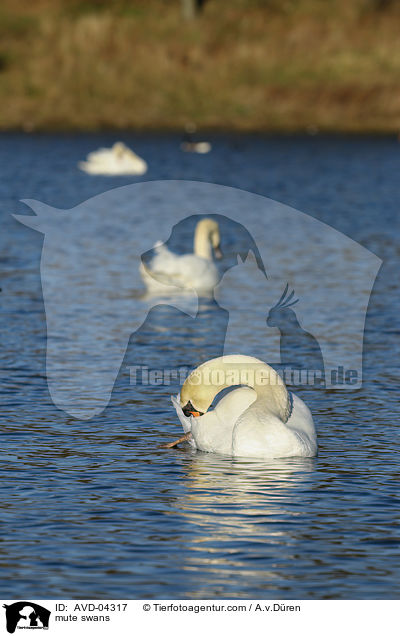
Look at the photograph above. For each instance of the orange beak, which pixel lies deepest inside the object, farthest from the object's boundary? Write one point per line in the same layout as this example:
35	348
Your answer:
189	409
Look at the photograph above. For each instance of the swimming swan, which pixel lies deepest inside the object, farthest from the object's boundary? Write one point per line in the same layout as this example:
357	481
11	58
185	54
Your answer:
201	147
262	419
118	160
190	145
171	273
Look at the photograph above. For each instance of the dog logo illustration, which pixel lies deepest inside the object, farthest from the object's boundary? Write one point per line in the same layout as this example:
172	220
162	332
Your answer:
26	615
90	274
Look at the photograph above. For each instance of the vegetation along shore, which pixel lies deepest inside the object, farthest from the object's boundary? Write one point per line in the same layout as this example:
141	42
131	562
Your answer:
245	65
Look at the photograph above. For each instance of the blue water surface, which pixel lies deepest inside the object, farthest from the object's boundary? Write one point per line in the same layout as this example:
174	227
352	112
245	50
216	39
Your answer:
95	509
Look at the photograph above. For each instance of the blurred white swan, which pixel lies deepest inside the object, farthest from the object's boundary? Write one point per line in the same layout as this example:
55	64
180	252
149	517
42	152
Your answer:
117	160
201	147
261	419
189	144
169	273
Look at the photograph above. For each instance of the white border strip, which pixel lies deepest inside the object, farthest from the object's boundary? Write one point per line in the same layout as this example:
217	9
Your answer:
237	617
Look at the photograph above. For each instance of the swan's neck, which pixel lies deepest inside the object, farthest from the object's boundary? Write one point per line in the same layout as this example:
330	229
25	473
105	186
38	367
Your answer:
202	244
214	376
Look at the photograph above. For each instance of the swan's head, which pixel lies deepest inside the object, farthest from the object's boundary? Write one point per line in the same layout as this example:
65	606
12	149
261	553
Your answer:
206	234
205	382
195	399
202	385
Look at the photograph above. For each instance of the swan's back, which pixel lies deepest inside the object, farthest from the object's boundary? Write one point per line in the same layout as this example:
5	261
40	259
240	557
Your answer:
184	271
260	433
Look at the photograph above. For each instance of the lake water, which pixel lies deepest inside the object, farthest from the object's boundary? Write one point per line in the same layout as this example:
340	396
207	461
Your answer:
95	509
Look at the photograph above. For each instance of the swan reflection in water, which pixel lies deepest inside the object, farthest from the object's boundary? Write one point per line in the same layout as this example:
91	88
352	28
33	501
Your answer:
240	511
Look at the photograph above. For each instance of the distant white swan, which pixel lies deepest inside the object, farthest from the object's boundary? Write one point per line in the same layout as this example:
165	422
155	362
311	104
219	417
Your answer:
261	419
169	273
191	145
201	147
117	160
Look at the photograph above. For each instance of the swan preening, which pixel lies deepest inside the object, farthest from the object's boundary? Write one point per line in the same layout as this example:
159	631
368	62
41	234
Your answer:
117	160
168	273
260	419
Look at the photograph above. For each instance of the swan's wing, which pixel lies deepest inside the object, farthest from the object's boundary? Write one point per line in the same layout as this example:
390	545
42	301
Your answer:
212	432
186	271
185	421
234	403
165	261
161	282
129	165
261	433
99	155
168	268
198	272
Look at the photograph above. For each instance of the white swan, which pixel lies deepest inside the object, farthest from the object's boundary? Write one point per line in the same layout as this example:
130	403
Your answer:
118	160
190	145
169	273
260	420
201	147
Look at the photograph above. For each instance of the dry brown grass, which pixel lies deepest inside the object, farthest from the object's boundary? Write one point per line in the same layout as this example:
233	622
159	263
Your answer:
130	64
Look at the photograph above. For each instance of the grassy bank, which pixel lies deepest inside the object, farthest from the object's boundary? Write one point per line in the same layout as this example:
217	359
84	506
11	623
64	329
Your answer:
246	65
